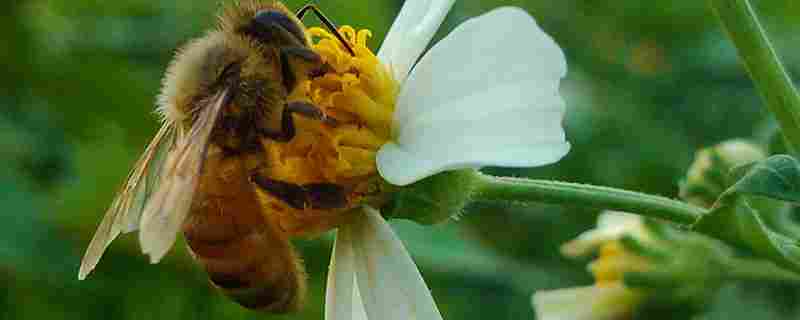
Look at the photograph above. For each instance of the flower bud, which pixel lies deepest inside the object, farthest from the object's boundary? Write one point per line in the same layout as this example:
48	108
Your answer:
433	199
709	174
641	265
596	302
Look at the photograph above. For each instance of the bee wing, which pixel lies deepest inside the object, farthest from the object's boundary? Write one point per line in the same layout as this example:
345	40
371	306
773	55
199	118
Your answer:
123	214
165	213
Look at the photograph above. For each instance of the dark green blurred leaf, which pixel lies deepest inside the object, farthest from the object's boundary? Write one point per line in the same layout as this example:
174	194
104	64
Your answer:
777	177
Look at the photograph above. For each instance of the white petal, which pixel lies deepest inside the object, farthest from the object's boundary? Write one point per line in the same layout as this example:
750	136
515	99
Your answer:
611	225
485	95
389	283
606	302
410	33
358	306
339	294
342	299
504	45
615	219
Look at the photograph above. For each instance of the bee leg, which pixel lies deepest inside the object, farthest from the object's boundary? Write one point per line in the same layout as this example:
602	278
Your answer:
302	62
310	111
288	131
312	195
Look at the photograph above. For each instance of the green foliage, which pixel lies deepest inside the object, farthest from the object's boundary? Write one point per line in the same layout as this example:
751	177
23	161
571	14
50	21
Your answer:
777	177
649	83
736	219
685	270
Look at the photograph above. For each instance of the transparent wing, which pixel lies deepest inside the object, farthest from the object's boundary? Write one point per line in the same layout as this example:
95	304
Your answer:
123	215
165	213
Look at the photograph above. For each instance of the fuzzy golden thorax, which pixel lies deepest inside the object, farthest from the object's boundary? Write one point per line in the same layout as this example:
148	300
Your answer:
245	55
259	61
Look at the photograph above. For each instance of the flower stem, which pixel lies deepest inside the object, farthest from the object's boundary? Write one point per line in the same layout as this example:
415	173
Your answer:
763	65
490	188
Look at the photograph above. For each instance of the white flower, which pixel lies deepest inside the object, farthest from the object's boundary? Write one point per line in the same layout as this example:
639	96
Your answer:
611	301
485	95
611	225
608	298
372	276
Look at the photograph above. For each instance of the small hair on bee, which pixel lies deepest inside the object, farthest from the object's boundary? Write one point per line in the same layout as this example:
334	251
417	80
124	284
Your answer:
224	99
188	73
268	22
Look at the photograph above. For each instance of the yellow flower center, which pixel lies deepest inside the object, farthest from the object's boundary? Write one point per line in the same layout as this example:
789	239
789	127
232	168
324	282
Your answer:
608	271
359	93
614	261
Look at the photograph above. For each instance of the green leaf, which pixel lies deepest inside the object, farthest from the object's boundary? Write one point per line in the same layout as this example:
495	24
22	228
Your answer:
741	215
734	220
778	177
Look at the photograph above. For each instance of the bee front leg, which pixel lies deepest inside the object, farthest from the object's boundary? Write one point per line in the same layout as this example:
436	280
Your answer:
312	195
310	111
288	131
298	63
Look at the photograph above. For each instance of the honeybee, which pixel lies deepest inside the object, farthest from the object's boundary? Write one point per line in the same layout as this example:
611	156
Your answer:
224	98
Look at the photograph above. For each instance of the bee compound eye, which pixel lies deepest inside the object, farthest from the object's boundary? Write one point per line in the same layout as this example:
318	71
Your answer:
268	23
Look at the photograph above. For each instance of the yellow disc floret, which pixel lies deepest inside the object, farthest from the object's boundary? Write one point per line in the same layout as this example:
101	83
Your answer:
614	261
609	270
358	92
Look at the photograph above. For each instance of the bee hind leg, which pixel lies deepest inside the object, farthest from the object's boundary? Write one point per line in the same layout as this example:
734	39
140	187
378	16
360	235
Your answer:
312	195
288	131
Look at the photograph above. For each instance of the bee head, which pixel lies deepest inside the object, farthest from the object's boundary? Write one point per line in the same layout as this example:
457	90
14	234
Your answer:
273	26
268	23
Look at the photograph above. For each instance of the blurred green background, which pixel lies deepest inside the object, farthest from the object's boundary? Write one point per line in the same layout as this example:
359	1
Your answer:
649	83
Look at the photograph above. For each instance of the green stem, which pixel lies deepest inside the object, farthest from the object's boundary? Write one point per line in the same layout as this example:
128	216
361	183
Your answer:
524	190
758	270
763	65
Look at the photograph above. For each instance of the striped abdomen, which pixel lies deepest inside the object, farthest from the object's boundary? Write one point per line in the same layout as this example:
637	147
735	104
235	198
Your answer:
245	255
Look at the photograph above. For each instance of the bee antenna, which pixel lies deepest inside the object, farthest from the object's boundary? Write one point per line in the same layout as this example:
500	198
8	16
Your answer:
328	24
